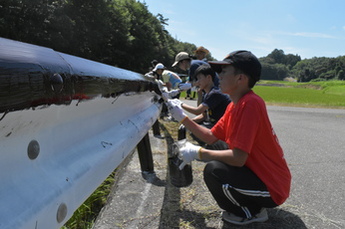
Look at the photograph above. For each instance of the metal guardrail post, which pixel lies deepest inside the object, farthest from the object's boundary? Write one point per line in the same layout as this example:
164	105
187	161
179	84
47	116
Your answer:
155	129
145	156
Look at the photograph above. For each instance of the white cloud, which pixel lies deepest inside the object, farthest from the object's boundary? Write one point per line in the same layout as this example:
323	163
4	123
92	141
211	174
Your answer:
312	35
264	40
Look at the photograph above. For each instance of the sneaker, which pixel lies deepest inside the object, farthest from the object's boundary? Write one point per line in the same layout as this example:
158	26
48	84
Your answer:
259	218
171	119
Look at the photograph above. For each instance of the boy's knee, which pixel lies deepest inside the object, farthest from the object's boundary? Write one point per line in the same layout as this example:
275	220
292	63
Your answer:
210	167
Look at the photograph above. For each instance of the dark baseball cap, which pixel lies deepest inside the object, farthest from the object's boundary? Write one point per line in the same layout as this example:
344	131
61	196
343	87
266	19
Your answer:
193	66
242	60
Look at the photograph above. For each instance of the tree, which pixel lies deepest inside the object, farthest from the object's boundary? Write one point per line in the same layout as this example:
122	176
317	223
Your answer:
274	71
278	56
291	60
274	65
341	75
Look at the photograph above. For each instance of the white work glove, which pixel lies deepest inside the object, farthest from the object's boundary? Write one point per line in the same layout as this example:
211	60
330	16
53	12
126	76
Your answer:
185	86
160	83
169	94
176	111
176	102
188	153
173	93
165	96
165	93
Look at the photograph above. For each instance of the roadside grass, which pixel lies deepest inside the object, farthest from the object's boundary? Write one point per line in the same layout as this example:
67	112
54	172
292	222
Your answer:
85	216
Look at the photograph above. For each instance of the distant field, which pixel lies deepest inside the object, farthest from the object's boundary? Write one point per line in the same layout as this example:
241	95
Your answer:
329	94
315	94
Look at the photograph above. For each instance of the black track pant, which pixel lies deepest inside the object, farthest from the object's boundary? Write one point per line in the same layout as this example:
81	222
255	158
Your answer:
237	189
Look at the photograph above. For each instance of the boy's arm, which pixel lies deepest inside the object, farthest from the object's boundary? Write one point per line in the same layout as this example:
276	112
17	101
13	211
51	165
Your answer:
199	131
234	157
199	118
194	110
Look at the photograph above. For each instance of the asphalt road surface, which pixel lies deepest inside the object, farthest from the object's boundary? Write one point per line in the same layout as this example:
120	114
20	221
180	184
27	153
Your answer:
314	144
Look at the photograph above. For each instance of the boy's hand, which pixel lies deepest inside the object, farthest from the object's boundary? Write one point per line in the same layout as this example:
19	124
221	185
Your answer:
176	110
173	93
185	86
188	153
169	94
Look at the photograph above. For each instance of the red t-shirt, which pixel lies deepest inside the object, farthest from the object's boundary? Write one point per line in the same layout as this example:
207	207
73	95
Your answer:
246	126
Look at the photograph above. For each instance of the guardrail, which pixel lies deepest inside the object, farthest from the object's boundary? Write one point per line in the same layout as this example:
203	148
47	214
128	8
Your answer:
65	124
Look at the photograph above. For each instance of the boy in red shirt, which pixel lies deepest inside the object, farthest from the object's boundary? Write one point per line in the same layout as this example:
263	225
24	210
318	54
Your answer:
252	174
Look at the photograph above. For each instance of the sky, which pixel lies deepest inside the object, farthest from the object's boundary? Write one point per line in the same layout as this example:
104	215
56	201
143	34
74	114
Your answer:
308	28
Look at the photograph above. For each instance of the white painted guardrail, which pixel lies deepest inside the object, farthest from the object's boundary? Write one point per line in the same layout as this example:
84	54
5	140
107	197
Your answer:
65	124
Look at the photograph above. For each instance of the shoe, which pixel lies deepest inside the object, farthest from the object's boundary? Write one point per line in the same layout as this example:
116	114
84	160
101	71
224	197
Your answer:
258	218
158	136
171	119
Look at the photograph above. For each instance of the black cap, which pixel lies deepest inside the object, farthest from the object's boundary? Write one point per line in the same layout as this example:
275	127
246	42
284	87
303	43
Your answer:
194	65
242	60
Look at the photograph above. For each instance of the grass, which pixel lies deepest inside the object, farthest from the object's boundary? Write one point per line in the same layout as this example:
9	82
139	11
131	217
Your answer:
86	214
336	90
329	94
300	96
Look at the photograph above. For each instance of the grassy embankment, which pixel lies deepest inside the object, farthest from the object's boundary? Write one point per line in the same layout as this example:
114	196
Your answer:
86	214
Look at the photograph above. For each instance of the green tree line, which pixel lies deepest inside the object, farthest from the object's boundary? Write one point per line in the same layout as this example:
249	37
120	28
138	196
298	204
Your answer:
125	34
120	33
277	66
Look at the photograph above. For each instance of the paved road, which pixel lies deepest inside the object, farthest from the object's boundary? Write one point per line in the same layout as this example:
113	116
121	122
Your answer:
314	145
313	141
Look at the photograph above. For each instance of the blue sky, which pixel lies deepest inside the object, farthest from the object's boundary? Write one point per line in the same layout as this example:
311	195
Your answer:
304	27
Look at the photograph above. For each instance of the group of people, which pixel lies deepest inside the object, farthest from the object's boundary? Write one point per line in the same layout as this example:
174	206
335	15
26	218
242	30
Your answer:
183	61
245	171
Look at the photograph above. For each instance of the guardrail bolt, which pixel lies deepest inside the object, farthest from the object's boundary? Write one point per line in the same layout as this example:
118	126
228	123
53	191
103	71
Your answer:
33	149
61	213
56	81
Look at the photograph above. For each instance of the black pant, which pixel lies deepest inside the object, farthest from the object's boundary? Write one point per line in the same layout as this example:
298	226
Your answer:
237	189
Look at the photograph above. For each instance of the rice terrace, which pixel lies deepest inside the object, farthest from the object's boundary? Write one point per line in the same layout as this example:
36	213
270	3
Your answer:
326	94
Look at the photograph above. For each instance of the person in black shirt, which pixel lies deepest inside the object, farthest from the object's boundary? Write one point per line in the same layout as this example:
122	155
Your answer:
213	104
